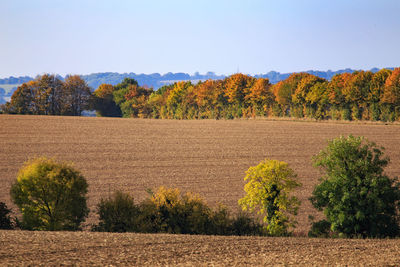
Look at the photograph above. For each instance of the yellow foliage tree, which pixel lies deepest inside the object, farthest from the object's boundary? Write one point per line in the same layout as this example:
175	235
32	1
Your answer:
268	192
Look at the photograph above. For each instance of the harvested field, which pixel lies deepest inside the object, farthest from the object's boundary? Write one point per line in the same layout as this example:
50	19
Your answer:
112	249
205	156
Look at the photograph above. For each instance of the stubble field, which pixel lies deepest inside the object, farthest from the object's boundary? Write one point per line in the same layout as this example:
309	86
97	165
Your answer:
112	249
208	157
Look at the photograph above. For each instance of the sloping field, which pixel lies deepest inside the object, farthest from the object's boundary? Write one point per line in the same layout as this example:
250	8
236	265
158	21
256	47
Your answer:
110	249
209	157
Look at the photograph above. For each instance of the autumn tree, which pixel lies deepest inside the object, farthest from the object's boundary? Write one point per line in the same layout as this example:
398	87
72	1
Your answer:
317	100
42	96
49	95
284	90
204	96
356	92
22	100
304	97
77	95
51	195
260	97
132	99
157	102
268	192
120	90
235	88
376	92
103	101
338	107
391	95
180	100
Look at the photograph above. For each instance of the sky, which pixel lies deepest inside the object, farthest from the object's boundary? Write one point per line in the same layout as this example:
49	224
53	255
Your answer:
222	36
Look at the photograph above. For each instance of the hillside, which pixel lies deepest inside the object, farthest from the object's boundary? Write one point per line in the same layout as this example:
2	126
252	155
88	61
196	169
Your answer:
208	157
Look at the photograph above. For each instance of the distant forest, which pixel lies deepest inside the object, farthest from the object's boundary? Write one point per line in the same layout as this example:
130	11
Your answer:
360	95
157	80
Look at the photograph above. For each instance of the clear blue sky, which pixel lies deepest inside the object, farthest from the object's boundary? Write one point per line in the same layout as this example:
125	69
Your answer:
87	36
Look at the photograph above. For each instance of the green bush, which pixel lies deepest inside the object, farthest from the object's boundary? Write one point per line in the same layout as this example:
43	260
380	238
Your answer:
181	213
320	229
356	196
244	224
51	195
5	219
117	213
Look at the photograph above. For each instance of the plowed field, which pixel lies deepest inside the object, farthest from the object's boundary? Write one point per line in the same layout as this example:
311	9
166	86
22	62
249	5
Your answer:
19	248
209	157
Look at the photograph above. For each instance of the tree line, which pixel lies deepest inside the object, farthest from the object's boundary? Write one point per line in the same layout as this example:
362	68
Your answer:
49	95
361	95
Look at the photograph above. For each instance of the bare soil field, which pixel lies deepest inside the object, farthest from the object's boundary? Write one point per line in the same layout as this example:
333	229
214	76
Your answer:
21	248
208	157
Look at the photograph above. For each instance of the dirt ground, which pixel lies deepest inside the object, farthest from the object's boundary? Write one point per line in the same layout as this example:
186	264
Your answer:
208	157
22	248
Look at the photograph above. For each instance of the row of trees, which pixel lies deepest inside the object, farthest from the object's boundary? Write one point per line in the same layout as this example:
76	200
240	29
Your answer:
357	96
357	198
48	95
51	195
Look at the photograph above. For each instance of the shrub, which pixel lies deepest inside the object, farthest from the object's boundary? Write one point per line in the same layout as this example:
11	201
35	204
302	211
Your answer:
357	198
117	213
51	195
170	211
5	219
244	224
268	190
183	214
320	229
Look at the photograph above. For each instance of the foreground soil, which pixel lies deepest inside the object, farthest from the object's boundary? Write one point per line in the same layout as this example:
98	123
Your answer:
208	157
102	249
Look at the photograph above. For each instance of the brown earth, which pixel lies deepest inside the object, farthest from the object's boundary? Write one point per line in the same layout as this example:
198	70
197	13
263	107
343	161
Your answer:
21	248
209	157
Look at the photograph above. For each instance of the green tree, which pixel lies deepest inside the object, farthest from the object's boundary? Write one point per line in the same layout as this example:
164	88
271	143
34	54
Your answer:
50	195
357	198
268	192
132	99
